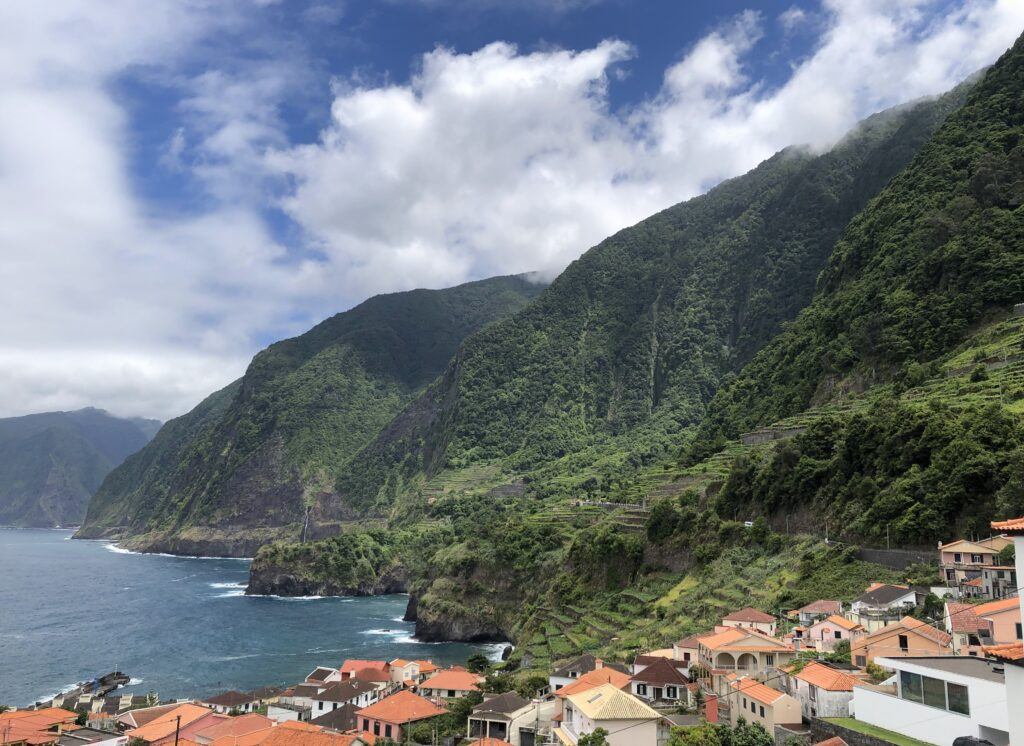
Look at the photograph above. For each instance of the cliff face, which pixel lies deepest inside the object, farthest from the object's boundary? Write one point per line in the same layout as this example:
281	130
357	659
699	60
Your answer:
286	579
257	461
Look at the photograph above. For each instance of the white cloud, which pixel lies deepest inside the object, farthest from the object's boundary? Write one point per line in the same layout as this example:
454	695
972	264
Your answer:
486	162
499	161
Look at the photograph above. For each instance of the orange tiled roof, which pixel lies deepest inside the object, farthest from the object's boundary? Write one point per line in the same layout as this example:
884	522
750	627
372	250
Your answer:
166	723
427	666
840	621
597	677
923	628
749	614
735	634
402	707
236	726
995	607
756	690
1013	527
826	677
371	674
462	681
1013	651
354	664
963	618
287	734
488	741
834	741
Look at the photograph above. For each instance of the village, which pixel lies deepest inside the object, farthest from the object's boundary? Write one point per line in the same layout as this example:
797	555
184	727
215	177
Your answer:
875	669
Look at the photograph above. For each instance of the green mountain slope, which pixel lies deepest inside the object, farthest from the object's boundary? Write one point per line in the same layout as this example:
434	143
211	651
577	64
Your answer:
248	462
622	352
51	463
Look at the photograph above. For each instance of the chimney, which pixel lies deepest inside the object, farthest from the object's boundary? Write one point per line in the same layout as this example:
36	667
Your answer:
598	663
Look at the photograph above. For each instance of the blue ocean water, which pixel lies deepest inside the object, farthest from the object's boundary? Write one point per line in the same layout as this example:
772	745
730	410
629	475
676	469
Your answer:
72	610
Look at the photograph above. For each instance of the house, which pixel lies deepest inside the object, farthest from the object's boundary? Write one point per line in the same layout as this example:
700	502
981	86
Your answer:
178	719
824	634
882	604
821	690
973	568
758	703
138	718
304	734
628	720
350	691
349	667
968	630
379	677
244	729
1003	619
686	650
450	684
908	636
643	660
593	679
751	618
1011	655
819	609
321	676
511	719
232	701
744	651
392	715
660	681
301	695
938	699
568	673
286	712
36	727
341	718
265	695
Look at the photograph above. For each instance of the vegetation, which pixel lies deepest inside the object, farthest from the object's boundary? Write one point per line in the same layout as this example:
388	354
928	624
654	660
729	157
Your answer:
881	733
267	448
709	734
51	463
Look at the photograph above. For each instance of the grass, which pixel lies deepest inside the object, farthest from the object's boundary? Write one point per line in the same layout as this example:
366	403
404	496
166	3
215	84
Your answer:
872	730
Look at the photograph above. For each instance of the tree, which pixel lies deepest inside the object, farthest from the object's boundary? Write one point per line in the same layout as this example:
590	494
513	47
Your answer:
750	734
599	737
478	663
705	734
1007	555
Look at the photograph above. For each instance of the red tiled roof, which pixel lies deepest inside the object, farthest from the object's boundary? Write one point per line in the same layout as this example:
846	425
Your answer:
963	618
840	621
354	664
692	640
1013	527
595	678
749	614
371	674
461	681
995	607
756	690
661	671
489	742
826	677
821	606
402	707
834	741
1013	651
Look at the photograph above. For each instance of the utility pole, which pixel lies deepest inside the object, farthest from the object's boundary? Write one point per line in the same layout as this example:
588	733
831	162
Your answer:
887	536
177	729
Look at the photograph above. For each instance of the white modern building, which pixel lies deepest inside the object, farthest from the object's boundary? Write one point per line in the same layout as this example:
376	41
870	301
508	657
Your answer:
938	699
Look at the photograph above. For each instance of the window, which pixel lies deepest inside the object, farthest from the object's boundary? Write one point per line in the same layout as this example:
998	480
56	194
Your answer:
838	635
910	686
904	643
376	727
769	659
861	661
958	698
934	692
686	656
1019	636
976	558
321	705
1001	574
641	689
957	557
753	706
813	691
670	692
762	710
950	574
451	692
366	724
387	731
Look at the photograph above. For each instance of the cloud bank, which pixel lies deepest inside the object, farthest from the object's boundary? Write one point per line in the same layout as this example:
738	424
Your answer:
493	161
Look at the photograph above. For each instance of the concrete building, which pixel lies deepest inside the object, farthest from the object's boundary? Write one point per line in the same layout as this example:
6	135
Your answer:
512	719
821	690
939	699
882	604
758	703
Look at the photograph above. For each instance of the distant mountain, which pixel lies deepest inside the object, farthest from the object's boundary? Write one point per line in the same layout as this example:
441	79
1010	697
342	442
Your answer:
51	463
251	460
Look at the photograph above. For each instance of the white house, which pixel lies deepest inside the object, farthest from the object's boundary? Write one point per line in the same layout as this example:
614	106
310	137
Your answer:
819	609
511	718
627	720
882	604
938	699
568	673
821	690
322	675
1012	654
660	681
350	691
824	634
751	618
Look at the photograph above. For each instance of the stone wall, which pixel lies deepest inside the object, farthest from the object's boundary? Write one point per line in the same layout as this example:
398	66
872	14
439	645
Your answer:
822	730
898	559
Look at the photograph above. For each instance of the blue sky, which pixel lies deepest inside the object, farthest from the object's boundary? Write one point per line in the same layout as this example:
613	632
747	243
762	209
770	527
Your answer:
184	181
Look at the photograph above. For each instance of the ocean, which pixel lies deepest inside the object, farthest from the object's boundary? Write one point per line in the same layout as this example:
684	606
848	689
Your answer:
182	627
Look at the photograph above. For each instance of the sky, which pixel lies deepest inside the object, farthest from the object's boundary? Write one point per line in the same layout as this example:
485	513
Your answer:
182	182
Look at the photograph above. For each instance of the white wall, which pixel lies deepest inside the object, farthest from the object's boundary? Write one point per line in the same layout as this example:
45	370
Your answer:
919	721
